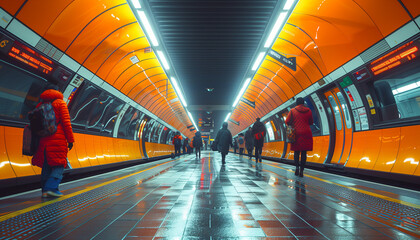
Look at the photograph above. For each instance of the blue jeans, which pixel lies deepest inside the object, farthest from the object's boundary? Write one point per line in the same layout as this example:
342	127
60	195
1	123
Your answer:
50	176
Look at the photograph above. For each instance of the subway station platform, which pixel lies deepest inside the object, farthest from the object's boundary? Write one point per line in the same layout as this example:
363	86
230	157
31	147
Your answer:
189	198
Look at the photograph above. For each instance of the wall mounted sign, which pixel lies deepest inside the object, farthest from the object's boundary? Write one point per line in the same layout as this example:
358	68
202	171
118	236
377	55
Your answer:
288	62
250	103
235	122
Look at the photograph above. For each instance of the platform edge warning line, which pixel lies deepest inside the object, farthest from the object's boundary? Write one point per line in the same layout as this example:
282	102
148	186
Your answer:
40	205
356	189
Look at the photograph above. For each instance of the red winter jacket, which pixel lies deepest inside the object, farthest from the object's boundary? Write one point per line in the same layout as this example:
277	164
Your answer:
56	144
301	118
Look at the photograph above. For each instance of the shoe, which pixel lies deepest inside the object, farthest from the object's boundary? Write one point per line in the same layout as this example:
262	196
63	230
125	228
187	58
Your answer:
44	195
297	172
301	174
54	193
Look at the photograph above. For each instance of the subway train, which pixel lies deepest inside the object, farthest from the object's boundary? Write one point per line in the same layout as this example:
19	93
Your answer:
364	93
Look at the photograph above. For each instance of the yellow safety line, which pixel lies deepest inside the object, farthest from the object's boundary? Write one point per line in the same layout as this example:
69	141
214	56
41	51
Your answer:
40	205
356	189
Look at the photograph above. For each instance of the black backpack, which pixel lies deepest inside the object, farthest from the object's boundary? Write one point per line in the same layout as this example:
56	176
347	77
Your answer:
177	142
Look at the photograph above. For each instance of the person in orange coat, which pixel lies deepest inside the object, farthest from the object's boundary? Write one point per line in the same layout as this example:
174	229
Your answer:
51	154
301	119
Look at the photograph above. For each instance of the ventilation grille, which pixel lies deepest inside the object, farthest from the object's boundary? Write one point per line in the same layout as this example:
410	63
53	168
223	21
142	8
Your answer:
49	50
375	51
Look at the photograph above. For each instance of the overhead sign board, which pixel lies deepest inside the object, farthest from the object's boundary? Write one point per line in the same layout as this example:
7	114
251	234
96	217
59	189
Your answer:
288	62
250	103
235	122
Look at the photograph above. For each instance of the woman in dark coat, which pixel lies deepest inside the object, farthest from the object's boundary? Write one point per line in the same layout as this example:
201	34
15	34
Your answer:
249	142
223	141
51	154
301	119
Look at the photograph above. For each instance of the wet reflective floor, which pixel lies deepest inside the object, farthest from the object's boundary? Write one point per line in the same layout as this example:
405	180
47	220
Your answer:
189	198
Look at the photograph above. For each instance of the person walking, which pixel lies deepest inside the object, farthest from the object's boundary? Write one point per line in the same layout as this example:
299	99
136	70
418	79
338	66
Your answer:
177	142
223	141
235	145
51	154
249	142
241	144
198	144
258	131
300	117
184	145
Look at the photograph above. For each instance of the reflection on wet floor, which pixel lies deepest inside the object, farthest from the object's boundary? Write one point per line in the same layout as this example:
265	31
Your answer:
201	199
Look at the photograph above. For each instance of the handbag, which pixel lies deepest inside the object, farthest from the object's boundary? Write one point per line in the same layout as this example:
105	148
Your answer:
290	131
30	141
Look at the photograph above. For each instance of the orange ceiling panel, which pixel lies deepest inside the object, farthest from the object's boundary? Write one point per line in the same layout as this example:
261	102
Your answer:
150	80
284	93
252	96
279	78
11	6
98	30
72	20
266	95
40	14
133	77
387	15
113	42
413	6
127	49
155	90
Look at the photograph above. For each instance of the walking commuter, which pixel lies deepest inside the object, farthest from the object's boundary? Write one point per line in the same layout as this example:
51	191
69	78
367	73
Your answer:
223	141
300	117
235	145
258	131
249	142
241	143
51	154
184	146
198	144
177	142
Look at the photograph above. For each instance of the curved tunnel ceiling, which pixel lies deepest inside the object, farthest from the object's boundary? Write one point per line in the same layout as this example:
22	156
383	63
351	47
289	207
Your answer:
103	35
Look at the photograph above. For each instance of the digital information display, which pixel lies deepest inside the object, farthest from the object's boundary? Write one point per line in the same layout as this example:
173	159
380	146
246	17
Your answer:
31	58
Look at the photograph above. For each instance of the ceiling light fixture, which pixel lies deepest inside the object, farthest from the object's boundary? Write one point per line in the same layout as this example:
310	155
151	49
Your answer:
258	61
136	3
192	120
227	117
163	60
244	87
148	27
275	30
288	4
178	91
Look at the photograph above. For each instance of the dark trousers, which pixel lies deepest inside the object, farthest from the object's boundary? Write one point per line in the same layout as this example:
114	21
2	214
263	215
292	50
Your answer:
249	152
241	151
258	152
223	158
198	152
302	163
177	151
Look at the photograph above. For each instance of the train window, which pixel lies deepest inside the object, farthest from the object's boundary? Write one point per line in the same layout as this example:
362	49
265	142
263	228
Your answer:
270	131
110	116
316	127
20	91
82	104
398	94
345	109
336	112
126	121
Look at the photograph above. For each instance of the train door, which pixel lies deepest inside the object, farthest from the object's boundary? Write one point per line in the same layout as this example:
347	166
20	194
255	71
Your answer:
343	126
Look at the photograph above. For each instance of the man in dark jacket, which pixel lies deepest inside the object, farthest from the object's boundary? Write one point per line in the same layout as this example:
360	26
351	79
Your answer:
184	146
249	142
177	142
198	144
259	131
223	141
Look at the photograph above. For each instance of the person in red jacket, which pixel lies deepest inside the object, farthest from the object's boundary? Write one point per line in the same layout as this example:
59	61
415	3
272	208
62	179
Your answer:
177	142
51	154
301	119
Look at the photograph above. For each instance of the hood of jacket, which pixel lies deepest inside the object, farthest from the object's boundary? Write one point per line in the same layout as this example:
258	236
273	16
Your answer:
51	95
301	108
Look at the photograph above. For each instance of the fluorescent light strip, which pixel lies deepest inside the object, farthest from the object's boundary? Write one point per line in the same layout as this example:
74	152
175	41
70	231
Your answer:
163	60
275	31
136	3
288	4
178	91
241	92
148	27
258	61
227	117
192	120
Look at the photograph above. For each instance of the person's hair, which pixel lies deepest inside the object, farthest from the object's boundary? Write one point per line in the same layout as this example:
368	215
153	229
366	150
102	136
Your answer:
300	101
258	119
225	124
178	133
51	86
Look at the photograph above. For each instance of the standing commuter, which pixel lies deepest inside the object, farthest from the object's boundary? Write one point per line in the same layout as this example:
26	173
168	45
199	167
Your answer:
198	144
177	142
249	142
184	146
301	119
223	141
259	131
51	154
241	142
235	145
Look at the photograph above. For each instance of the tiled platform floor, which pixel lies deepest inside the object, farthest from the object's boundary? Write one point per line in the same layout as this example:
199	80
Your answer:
200	199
